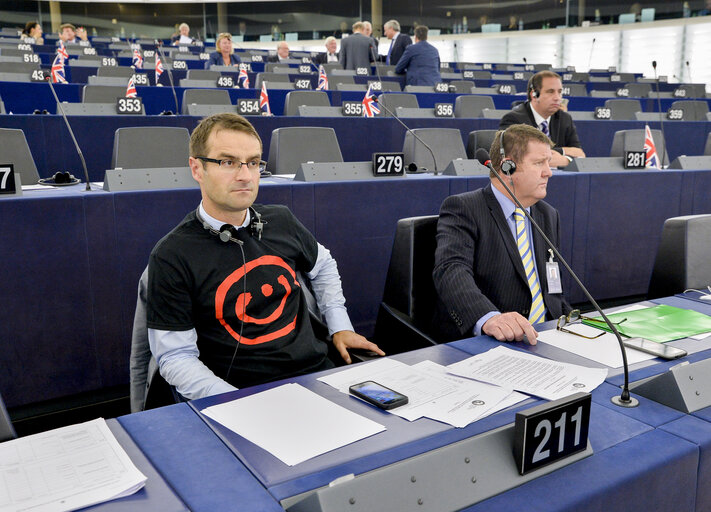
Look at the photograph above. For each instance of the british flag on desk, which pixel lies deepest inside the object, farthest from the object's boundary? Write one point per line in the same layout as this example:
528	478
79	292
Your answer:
58	76
131	89
137	61
370	107
62	50
159	68
243	78
322	79
264	101
651	150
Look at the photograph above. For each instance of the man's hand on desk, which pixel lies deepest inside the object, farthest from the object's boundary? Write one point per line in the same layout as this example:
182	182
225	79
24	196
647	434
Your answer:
343	340
510	327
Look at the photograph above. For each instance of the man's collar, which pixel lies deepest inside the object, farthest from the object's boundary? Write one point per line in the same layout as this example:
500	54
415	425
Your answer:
539	118
217	224
507	205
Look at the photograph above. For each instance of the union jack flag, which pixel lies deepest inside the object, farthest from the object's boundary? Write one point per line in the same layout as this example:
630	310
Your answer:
131	89
57	72
370	108
62	50
322	80
243	78
264	101
651	150
159	68
137	61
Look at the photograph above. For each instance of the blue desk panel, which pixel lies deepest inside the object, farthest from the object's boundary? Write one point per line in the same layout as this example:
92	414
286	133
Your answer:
205	475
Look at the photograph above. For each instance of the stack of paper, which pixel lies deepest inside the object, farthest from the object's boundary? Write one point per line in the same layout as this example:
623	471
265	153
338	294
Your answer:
65	469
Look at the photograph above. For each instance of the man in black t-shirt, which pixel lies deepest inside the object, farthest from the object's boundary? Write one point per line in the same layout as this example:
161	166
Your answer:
225	307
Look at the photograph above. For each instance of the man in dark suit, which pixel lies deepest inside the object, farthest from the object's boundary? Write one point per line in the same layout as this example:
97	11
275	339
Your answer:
420	61
486	279
544	110
398	42
331	54
282	53
357	49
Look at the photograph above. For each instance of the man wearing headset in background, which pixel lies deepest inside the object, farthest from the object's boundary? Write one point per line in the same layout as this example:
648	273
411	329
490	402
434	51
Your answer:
491	273
545	111
224	306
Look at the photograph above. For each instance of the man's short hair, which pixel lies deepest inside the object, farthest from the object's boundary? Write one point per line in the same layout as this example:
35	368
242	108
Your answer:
516	138
329	39
536	81
393	24
183	25
357	26
222	121
421	33
66	25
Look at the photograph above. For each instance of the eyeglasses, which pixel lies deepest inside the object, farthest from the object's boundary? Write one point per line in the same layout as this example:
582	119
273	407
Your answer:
575	316
230	165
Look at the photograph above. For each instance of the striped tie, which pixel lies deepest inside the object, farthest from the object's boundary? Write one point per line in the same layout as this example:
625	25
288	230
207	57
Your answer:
538	310
544	128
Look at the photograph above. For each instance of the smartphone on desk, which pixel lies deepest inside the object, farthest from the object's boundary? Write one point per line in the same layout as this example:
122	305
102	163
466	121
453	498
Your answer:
378	395
654	348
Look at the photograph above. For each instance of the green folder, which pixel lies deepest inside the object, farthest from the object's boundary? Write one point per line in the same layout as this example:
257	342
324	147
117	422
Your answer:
659	323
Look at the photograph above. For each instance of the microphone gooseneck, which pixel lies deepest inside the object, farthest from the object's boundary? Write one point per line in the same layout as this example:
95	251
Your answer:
661	118
624	400
170	74
409	130
592	47
74	139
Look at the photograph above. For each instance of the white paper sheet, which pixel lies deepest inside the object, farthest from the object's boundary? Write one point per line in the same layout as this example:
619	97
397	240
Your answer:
293	423
528	373
65	469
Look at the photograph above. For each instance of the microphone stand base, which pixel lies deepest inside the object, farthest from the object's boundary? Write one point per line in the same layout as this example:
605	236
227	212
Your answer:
632	402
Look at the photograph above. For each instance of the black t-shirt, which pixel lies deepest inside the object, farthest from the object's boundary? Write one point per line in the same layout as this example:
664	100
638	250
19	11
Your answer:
197	281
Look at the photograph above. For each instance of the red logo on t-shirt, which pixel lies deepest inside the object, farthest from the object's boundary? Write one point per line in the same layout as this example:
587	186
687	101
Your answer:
243	300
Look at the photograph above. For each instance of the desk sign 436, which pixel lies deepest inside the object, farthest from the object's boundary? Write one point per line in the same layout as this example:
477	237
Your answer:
551	432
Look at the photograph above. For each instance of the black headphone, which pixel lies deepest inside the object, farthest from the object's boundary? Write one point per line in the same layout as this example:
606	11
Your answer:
535	93
59	178
508	166
228	232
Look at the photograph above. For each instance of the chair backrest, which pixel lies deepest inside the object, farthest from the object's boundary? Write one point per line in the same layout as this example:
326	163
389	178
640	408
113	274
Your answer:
7	431
205	97
310	111
271	77
637	90
390	86
479	139
15	150
462	86
682	260
147	147
103	93
18	67
350	87
408	285
633	140
694	110
203	74
419	88
295	99
471	105
393	100
120	71
445	143
623	110
479	74
574	89
291	146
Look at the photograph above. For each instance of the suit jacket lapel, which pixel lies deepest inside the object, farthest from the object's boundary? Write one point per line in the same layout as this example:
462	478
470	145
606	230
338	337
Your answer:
504	231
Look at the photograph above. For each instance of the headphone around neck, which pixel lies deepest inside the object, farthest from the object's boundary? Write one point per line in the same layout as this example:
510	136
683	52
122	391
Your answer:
508	166
228	233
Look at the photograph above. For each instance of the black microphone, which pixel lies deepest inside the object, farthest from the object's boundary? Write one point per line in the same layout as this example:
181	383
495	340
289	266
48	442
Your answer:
170	74
592	47
624	400
688	72
74	139
661	117
409	130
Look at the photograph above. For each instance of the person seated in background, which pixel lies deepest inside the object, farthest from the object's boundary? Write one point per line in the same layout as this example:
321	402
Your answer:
420	61
331	54
69	34
544	110
183	35
33	30
490	270
225	306
224	56
282	53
